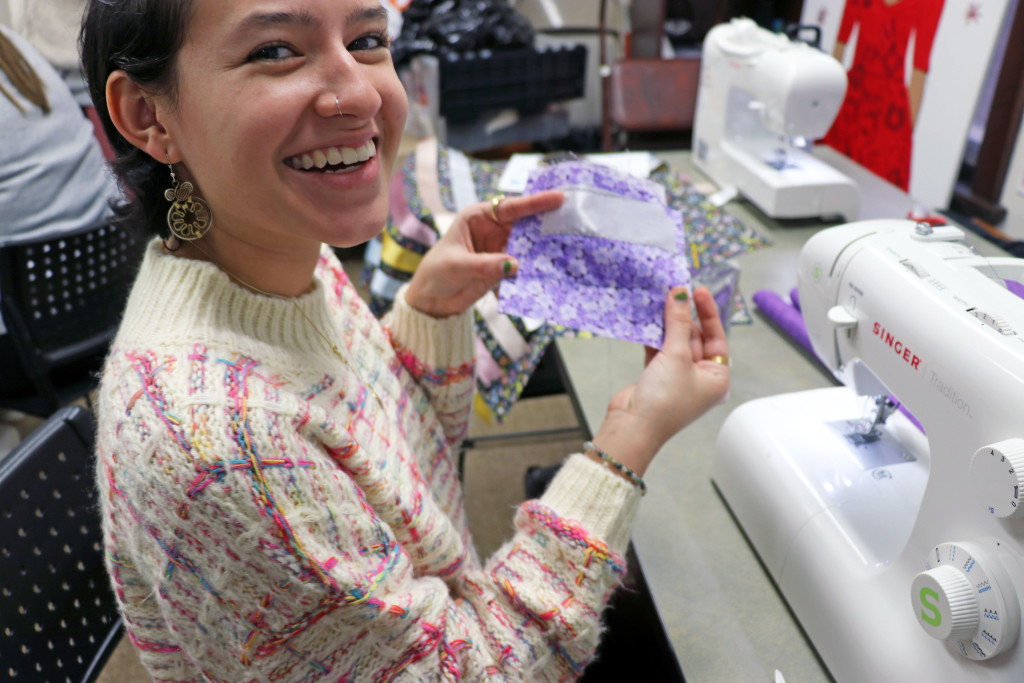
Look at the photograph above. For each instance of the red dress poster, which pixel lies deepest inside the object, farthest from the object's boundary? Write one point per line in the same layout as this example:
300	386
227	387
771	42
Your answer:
875	125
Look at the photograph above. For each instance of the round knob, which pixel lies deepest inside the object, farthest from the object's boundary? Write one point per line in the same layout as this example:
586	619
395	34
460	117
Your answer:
966	597
948	607
997	472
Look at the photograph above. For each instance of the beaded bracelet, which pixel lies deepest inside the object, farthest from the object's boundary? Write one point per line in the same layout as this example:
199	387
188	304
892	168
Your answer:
633	476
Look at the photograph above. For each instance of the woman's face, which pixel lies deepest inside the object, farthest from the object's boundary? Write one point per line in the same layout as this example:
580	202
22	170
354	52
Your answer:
256	122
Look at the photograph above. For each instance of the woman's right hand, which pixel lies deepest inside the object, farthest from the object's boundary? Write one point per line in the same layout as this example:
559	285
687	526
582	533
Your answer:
679	384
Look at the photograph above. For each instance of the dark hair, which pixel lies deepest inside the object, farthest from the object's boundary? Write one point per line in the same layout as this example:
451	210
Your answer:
143	38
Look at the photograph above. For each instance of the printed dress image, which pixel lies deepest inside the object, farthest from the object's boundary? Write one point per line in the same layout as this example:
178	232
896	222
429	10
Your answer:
875	125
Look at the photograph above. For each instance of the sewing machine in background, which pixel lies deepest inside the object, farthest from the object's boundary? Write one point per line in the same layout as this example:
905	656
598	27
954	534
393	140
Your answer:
900	548
763	100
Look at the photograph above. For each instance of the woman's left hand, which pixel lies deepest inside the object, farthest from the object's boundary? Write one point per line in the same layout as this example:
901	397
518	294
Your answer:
470	260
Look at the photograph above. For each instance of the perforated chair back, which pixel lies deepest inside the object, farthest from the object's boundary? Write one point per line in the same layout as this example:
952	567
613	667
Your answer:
61	299
60	621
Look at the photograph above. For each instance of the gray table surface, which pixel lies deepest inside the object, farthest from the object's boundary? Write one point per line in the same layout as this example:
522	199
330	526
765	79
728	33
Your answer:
722	613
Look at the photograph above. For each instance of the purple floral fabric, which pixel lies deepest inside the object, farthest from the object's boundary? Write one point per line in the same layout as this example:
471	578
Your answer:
611	287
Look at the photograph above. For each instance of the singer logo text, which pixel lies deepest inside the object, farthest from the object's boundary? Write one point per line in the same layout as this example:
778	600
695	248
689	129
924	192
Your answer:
901	349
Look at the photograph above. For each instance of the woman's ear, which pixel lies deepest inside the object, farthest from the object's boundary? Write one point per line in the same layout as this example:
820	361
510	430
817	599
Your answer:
134	113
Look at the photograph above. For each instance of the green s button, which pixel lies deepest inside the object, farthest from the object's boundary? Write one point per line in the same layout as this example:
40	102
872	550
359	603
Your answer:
930	603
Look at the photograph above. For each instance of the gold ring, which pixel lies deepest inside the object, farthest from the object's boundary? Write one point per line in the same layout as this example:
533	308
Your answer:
495	201
721	360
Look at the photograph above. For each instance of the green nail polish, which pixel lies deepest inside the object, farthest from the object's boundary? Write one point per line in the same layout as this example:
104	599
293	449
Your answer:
682	296
507	267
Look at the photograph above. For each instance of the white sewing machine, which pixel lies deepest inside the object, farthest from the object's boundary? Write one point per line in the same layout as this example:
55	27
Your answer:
762	100
902	555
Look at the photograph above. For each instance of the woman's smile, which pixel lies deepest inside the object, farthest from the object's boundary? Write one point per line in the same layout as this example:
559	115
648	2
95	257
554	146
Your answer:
334	159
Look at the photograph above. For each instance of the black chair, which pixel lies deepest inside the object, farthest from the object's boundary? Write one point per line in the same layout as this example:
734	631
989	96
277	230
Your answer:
61	298
60	618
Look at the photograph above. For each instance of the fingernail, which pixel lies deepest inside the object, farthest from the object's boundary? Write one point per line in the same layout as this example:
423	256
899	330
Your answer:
506	267
682	296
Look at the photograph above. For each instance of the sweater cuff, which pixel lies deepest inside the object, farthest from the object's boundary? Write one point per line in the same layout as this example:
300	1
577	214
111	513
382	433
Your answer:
435	342
602	502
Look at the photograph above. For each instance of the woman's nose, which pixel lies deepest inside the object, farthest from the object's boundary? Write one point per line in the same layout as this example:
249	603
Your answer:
350	89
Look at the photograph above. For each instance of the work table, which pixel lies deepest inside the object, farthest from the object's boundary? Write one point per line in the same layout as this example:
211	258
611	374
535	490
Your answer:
720	609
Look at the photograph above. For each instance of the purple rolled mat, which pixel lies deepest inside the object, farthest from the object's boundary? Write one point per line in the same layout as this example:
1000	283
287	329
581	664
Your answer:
785	315
794	296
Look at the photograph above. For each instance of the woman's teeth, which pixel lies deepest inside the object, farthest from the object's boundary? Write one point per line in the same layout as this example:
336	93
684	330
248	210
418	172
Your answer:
333	156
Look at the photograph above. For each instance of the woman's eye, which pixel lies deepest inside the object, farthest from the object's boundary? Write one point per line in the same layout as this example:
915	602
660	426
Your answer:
269	53
369	42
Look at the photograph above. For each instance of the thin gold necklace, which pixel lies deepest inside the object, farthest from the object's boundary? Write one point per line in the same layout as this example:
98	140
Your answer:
327	340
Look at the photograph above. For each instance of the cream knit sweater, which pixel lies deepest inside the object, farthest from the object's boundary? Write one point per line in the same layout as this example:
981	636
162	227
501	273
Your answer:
266	520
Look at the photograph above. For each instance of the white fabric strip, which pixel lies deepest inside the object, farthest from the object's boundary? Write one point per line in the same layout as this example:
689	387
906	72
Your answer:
428	183
384	285
501	327
463	187
590	212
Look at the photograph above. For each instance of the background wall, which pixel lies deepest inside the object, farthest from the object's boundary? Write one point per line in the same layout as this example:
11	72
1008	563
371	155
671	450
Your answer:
960	55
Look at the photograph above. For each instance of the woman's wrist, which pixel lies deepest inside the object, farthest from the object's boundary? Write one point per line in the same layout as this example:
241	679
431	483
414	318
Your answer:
418	303
627	441
603	458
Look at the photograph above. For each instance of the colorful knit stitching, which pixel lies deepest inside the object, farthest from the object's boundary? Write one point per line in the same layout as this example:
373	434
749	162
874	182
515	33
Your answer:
264	519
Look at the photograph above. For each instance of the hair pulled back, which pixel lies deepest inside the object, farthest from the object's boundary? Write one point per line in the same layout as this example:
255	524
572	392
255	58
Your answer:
22	76
141	37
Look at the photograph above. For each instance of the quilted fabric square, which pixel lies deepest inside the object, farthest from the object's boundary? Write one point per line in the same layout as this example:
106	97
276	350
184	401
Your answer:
604	261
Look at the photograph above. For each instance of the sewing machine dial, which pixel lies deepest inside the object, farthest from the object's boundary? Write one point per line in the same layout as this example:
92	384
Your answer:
966	597
996	322
997	472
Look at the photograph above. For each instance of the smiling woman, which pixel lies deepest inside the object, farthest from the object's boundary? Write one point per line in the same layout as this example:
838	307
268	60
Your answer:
280	495
257	90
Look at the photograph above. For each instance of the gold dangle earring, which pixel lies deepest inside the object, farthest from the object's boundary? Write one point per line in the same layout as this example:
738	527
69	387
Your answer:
189	217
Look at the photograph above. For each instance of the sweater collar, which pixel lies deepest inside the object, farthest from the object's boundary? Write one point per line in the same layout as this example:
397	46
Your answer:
176	299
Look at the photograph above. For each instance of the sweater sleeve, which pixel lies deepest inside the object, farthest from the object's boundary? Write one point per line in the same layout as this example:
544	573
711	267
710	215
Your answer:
144	625
288	564
440	356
